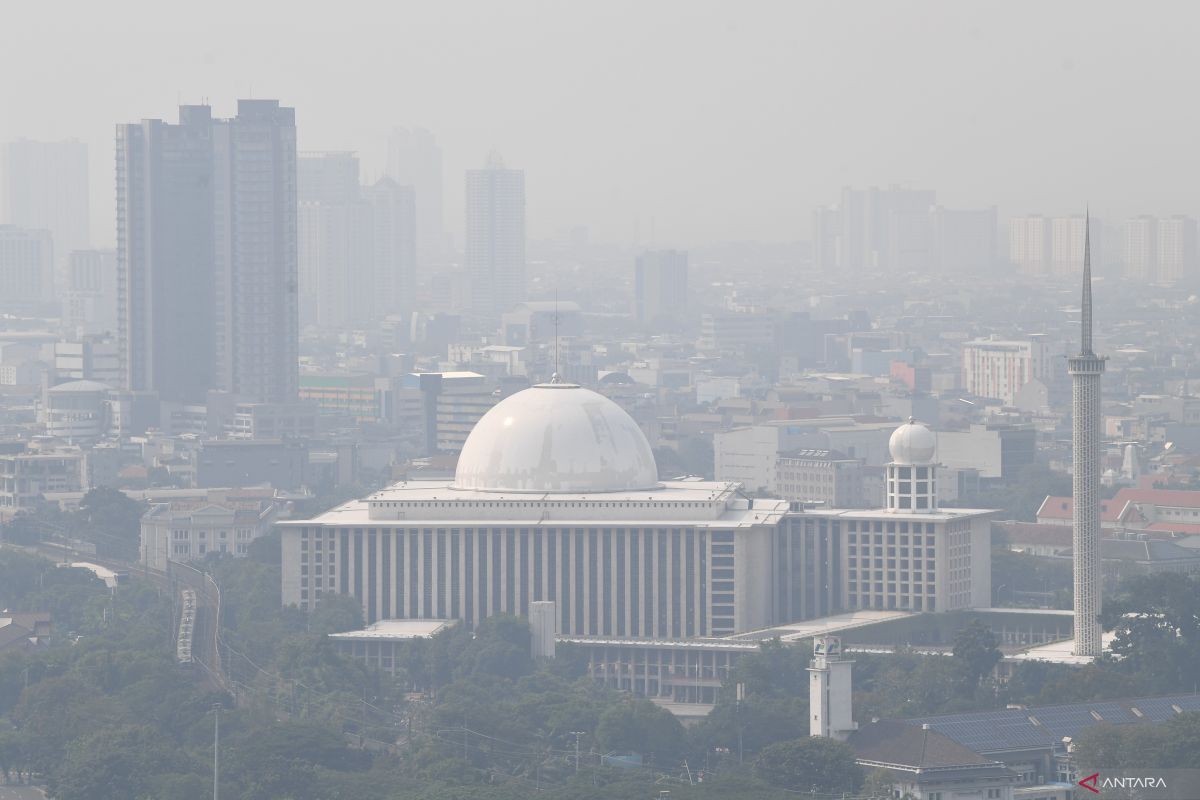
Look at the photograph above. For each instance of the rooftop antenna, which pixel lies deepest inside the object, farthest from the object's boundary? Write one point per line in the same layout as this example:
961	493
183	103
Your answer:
556	378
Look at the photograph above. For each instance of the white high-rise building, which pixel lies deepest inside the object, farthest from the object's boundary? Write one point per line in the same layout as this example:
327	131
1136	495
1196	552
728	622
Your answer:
1176	249
998	369
1029	244
1141	248
1067	240
495	252
415	159
46	187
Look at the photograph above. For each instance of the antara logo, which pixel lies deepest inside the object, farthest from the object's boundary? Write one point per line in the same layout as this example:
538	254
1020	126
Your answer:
1094	783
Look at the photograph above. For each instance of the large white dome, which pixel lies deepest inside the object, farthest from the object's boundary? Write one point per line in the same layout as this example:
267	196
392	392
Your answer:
556	437
912	443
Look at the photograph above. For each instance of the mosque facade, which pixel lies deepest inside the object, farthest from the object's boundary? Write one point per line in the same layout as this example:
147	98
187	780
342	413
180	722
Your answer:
556	497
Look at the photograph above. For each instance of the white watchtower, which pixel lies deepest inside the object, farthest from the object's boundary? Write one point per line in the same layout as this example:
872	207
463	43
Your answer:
829	690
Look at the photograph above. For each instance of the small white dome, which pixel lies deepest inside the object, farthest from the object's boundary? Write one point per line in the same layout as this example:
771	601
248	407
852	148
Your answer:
556	437
912	443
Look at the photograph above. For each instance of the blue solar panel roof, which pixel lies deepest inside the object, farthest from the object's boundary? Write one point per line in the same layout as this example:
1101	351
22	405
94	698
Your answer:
1015	729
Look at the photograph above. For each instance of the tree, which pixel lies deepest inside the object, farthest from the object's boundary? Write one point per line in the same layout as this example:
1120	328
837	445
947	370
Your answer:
639	726
1157	623
336	613
111	520
814	763
976	651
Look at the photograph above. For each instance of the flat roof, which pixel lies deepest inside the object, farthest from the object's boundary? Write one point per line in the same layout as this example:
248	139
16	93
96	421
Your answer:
1061	652
396	630
823	626
939	515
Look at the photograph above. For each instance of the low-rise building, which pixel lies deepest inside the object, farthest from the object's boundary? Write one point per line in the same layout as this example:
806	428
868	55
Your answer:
182	530
26	474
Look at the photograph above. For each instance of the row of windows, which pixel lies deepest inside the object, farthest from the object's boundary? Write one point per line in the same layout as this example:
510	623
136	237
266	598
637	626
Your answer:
606	581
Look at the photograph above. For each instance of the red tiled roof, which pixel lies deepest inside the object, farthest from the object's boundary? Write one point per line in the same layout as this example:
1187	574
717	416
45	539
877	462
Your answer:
1110	510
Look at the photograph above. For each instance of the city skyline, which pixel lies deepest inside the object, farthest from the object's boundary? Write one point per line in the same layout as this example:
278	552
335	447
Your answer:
747	145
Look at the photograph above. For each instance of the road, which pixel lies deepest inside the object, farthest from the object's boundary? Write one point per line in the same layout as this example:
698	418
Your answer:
21	793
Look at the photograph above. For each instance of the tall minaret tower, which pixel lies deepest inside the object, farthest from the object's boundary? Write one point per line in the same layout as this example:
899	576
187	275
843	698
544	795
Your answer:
1086	369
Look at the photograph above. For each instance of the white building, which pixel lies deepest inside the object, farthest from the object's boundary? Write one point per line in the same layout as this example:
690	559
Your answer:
188	531
1176	249
1029	244
495	245
77	410
998	369
912	555
1141	247
557	497
1066	248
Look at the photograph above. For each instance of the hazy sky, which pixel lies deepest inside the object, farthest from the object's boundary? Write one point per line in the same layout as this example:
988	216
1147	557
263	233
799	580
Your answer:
718	120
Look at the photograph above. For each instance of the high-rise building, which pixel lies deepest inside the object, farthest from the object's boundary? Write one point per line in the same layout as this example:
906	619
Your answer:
26	268
393	225
357	244
207	253
661	286
1176	249
335	244
1067	244
1029	244
46	187
1141	248
90	301
876	229
415	159
1086	369
495	252
999	369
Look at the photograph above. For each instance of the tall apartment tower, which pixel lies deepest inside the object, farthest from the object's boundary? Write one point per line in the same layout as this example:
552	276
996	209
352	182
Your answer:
1085	370
495	237
1176	249
1141	248
46	187
415	159
1029	244
207	254
334	255
1067	244
660	286
393	213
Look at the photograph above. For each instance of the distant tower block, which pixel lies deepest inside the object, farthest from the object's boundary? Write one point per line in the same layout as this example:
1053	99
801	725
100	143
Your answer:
541	624
829	690
1085	370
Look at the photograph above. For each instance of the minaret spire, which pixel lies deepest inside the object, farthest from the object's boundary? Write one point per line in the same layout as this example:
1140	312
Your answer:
1086	438
1085	322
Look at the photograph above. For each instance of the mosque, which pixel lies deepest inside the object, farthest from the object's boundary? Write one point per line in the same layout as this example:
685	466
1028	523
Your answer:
557	498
